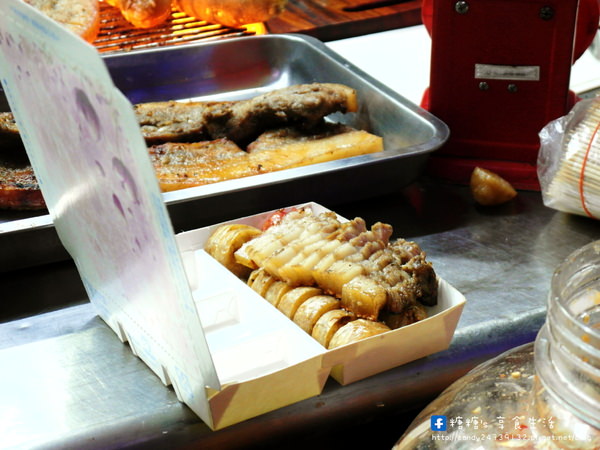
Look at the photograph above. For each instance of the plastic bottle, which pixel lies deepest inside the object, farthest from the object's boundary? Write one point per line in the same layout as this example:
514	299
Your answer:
542	395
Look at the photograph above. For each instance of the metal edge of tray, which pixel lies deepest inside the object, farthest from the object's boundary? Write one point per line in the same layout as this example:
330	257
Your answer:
33	241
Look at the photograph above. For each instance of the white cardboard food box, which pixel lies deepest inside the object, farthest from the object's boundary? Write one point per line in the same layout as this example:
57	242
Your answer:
291	360
228	354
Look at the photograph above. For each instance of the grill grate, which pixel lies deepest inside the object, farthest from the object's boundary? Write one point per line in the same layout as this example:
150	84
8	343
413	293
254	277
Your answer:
118	35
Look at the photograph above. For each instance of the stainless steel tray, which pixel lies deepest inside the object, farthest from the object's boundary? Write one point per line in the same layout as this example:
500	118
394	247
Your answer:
241	68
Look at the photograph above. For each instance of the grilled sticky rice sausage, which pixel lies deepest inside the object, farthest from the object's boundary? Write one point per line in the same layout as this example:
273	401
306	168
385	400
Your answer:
295	297
260	281
312	309
222	245
356	330
328	324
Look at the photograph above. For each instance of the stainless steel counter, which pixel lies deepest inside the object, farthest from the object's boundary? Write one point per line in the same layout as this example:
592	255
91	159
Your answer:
66	381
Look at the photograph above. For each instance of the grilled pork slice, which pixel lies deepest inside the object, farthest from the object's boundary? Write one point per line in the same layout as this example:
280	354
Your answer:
218	129
361	267
364	296
302	106
248	123
172	121
307	249
242	121
19	188
182	165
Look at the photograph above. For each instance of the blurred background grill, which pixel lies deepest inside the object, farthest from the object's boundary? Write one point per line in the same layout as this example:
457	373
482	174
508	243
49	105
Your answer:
117	35
324	19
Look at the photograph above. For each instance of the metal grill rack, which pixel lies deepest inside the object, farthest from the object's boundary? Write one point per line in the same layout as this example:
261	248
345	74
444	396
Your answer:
118	35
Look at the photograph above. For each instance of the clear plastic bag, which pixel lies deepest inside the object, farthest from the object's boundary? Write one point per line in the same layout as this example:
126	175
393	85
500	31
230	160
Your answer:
568	163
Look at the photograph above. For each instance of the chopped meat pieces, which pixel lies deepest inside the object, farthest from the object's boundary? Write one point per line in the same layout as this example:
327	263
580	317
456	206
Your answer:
362	267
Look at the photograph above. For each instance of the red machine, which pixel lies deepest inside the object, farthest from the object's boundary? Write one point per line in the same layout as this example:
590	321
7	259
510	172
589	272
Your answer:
500	71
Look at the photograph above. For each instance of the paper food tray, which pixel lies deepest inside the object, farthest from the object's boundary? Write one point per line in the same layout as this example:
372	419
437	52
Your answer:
221	297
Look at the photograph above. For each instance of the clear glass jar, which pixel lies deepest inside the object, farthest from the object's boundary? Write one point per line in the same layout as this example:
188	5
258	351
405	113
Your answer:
542	395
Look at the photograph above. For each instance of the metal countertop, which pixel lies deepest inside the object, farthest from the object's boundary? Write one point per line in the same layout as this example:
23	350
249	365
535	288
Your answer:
68	382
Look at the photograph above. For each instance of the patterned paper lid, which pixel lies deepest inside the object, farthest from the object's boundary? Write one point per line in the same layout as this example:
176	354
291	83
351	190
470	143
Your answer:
87	151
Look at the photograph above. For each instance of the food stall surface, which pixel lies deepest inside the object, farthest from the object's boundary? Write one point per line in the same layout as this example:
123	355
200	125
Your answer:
68	382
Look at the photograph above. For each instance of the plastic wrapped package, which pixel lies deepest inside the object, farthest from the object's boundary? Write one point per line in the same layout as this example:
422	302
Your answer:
569	160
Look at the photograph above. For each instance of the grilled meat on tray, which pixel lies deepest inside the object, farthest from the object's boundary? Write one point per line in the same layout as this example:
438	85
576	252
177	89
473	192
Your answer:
18	186
241	121
197	143
302	105
172	121
338	281
183	165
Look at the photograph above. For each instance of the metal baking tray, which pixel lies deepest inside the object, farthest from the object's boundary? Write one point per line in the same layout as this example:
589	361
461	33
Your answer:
241	68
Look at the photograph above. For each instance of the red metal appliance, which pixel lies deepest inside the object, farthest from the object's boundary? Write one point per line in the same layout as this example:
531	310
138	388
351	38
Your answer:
500	71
